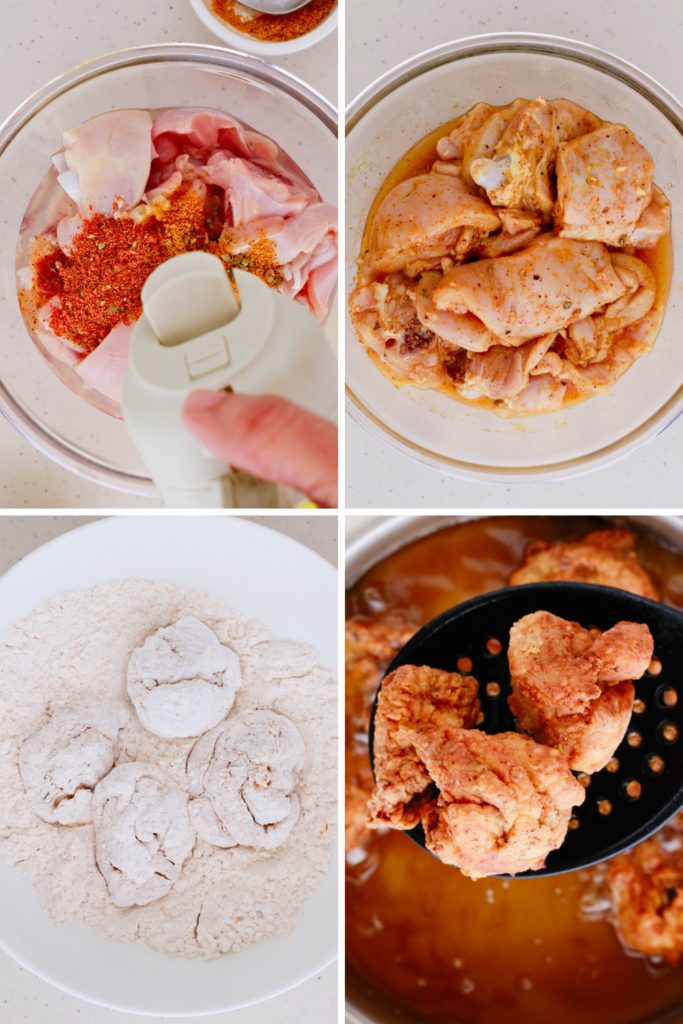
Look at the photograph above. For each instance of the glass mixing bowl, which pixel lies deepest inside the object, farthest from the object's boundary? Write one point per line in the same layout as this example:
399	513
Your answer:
63	426
390	117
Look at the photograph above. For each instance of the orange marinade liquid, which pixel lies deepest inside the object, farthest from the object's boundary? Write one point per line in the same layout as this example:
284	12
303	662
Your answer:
492	951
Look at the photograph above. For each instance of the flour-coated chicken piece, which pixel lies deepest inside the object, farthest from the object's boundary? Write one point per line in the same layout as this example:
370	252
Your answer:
428	216
534	292
519	175
413	698
605	557
563	684
504	803
604	184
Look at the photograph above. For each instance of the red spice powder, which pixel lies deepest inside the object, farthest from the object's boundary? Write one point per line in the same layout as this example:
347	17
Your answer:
274	28
100	281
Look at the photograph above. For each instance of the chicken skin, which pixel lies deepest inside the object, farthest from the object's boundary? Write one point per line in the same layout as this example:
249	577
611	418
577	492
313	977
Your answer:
571	687
645	885
605	557
370	648
604	185
505	801
428	216
412	699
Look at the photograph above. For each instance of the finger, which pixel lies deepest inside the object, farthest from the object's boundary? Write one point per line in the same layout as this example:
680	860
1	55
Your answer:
270	438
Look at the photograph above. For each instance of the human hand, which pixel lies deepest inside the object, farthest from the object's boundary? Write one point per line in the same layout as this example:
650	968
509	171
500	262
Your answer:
269	437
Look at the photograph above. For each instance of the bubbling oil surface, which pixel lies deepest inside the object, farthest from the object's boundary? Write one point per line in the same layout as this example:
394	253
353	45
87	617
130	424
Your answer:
447	949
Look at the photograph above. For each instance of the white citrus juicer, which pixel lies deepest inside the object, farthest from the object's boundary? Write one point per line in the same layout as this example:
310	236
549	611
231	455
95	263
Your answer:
194	334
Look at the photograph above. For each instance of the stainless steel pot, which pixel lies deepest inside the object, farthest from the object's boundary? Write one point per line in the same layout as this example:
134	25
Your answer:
372	540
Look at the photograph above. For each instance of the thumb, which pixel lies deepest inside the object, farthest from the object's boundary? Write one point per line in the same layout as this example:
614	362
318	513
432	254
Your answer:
268	437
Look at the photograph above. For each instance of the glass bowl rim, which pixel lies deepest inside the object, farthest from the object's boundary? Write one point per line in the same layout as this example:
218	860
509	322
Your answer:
543	45
72	456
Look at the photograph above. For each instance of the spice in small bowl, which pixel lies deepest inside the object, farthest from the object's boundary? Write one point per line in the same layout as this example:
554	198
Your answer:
273	28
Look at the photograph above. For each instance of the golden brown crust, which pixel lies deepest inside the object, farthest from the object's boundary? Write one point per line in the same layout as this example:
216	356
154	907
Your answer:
606	557
571	686
413	698
505	801
646	889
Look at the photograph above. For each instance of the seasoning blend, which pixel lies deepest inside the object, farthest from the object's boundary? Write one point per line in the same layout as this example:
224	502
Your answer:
272	28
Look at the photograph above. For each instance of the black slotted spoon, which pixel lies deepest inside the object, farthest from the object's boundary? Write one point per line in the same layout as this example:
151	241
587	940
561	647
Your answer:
651	753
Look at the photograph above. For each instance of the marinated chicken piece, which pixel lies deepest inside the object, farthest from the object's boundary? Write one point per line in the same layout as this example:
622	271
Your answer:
542	394
519	230
462	330
502	373
605	557
519	175
654	221
406	351
563	677
546	287
452	147
426	217
505	801
370	648
412	699
646	890
482	142
604	184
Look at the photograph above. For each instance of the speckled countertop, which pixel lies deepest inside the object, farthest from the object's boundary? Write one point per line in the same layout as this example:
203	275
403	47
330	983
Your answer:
23	996
40	41
380	35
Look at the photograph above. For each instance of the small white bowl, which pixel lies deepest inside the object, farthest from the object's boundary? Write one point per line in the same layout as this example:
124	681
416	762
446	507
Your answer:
243	41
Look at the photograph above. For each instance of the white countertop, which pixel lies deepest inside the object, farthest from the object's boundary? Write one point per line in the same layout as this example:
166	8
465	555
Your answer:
40	41
26	997
380	35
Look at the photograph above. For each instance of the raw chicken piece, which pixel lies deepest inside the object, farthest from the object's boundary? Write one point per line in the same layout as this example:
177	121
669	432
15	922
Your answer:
505	801
542	289
646	889
413	698
604	183
61	348
251	193
453	146
519	230
457	329
562	684
406	351
502	373
370	648
427	217
105	367
543	393
482	142
519	175
111	156
654	221
606	557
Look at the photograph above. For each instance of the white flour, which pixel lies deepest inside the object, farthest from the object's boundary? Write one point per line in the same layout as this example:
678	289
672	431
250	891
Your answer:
76	646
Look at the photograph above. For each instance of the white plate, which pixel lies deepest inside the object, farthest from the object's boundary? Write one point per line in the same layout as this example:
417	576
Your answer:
264	575
397	111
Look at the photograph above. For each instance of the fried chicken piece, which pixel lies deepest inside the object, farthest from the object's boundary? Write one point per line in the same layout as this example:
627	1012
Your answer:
646	889
606	557
563	677
370	648
505	801
412	699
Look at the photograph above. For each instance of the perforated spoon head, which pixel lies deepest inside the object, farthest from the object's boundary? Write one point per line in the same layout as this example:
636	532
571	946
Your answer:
612	818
